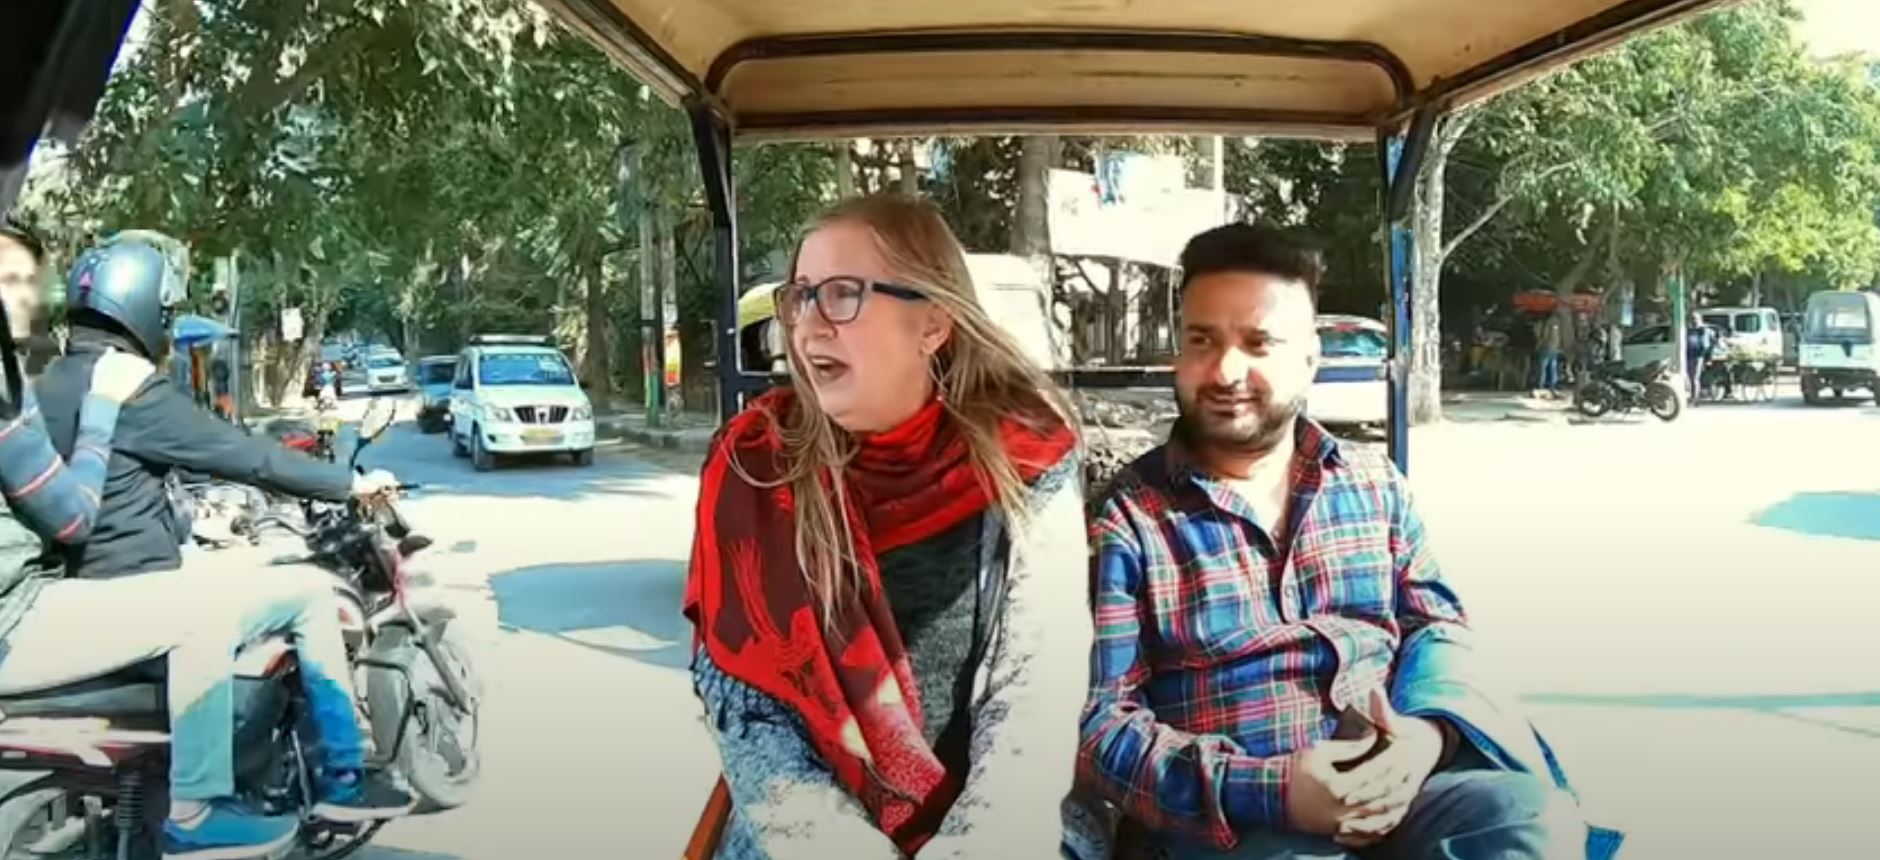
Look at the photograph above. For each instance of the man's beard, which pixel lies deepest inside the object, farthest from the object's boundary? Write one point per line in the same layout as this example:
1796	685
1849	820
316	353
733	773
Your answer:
1253	434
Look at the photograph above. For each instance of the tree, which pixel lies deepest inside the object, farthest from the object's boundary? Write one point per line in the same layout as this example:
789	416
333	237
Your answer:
1714	149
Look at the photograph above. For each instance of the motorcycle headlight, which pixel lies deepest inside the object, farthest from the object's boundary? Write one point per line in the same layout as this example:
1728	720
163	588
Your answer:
499	413
582	413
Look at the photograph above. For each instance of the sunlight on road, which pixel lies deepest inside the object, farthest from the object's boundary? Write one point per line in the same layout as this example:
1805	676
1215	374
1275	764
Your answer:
1674	601
1674	598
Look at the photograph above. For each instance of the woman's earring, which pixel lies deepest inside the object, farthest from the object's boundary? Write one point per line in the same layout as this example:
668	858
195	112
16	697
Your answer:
939	382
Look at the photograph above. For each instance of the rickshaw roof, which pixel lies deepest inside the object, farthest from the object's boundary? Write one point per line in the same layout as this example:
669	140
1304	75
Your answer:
1329	68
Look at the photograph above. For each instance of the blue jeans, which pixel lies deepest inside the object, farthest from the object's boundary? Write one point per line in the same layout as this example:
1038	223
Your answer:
1549	370
1694	373
78	629
1459	815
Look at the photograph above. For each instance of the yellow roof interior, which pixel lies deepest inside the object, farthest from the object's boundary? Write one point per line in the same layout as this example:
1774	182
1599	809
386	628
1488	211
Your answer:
1326	67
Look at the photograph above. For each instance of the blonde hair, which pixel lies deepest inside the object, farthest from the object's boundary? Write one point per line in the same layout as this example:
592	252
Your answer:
981	376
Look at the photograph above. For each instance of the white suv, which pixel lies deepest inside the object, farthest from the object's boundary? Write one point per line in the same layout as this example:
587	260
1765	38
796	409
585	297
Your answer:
516	394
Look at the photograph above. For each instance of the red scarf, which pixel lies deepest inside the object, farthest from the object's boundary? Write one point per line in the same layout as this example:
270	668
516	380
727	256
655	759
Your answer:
851	681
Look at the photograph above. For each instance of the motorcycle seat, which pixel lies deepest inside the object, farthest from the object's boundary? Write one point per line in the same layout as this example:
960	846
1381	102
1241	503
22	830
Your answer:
132	692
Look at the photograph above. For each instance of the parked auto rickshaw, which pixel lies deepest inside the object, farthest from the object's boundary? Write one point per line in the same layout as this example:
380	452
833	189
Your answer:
1365	70
1840	345
754	70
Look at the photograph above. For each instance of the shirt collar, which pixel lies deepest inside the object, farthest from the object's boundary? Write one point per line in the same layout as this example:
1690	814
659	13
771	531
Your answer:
1313	447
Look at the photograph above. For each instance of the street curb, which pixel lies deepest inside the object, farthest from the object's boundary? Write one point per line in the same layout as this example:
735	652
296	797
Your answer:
672	440
1528	417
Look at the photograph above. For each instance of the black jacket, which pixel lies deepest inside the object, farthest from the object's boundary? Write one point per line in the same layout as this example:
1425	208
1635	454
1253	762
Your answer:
158	430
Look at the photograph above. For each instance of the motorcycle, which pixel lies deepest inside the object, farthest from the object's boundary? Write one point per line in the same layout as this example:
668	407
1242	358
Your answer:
316	441
211	507
83	768
214	509
1613	387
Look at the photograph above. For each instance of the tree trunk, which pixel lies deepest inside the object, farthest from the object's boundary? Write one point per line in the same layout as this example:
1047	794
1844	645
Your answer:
258	356
910	177
1031	236
598	369
1426	342
845	169
668	315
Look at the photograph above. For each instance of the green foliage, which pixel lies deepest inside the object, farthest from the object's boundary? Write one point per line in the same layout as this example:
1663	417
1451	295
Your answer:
1716	147
437	167
404	166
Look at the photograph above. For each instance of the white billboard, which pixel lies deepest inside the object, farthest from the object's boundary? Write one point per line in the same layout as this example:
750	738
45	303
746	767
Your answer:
1137	209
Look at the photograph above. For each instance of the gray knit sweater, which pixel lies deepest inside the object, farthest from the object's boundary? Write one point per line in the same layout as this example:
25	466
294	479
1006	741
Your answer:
1014	710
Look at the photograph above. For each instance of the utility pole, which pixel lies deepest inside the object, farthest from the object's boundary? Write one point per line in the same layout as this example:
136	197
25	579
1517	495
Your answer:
1219	176
635	205
234	321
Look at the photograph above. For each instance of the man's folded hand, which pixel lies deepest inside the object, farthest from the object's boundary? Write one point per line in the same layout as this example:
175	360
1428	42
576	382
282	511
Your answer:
1377	794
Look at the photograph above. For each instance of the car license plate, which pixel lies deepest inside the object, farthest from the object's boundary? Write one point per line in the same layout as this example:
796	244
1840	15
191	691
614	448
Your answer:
541	437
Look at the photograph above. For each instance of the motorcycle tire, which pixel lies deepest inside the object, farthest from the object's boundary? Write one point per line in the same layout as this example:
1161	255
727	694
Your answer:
1593	399
442	768
1662	400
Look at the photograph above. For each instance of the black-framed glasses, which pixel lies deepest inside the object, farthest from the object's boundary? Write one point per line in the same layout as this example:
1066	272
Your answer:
838	299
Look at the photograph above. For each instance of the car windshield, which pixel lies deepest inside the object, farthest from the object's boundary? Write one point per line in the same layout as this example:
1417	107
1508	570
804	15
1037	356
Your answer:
1654	334
437	374
380	362
540	368
1837	316
1348	341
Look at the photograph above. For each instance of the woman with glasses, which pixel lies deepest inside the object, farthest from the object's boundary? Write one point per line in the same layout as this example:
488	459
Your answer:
889	573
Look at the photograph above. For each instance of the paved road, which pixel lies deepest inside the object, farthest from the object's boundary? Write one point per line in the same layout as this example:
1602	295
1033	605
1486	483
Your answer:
570	580
1688	608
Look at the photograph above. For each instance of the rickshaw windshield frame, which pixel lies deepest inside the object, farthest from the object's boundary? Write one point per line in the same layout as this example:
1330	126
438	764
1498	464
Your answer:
1382	70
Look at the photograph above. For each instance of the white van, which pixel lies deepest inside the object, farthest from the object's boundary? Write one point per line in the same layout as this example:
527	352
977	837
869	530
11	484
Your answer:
1009	289
517	394
1748	333
1837	353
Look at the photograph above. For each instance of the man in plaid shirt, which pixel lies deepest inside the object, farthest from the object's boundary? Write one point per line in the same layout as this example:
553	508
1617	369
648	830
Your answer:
1256	585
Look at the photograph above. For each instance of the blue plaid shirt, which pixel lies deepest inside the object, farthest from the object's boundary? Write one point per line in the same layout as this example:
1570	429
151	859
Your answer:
1224	644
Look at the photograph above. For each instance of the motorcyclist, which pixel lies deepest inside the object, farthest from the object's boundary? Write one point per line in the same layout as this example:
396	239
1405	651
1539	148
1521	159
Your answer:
328	391
121	296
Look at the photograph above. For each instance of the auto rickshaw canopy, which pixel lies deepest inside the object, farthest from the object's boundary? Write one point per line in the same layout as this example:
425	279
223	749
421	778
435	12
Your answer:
1332	68
1362	70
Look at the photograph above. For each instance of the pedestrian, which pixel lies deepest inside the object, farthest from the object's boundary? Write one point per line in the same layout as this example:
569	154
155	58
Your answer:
1259	587
1520	349
1596	350
884	646
1551	338
1700	343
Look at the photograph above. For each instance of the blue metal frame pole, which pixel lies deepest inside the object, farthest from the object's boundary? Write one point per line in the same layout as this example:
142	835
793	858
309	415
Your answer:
1400	157
711	135
1397	257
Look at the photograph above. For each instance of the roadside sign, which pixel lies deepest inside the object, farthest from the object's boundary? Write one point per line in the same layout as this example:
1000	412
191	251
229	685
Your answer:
1136	209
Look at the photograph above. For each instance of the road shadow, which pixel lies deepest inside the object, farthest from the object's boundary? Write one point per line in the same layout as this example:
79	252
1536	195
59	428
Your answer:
620	469
1784	706
1833	514
621	608
380	852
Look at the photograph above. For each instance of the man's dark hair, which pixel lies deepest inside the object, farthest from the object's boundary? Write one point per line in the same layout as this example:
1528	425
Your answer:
17	232
1251	249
